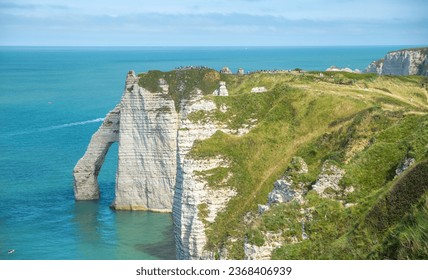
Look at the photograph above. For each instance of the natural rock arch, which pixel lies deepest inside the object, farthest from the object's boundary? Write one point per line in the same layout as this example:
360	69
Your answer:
145	126
88	167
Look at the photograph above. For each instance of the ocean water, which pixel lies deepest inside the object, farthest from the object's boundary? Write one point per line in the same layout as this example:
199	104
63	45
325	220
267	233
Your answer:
52	99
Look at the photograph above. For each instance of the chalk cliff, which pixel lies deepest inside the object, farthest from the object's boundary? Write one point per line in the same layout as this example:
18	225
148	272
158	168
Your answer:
147	150
402	62
145	125
192	192
154	170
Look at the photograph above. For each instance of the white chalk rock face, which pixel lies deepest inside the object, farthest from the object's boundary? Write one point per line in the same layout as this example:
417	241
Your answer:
337	69
282	191
222	90
272	240
190	190
402	62
328	179
86	171
375	67
191	193
258	90
147	150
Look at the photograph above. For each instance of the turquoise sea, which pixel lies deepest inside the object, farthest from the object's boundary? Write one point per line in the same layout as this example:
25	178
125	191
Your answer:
52	100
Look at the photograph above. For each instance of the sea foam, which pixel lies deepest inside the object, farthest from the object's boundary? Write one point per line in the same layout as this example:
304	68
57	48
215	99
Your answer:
53	127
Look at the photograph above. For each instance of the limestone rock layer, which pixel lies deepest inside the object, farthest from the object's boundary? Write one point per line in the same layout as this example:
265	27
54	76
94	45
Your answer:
191	192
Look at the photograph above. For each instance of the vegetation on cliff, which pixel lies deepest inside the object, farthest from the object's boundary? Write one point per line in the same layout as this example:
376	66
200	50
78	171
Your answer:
181	83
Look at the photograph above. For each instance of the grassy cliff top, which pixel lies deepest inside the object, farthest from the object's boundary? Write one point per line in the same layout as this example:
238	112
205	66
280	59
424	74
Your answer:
421	49
182	83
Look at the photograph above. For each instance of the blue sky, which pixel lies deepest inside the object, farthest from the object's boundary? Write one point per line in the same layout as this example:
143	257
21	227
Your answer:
213	22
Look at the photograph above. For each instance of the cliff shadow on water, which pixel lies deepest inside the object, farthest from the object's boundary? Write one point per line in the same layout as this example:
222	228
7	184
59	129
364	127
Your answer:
164	249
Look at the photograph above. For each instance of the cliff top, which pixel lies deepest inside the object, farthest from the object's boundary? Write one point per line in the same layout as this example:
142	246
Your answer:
421	49
182	82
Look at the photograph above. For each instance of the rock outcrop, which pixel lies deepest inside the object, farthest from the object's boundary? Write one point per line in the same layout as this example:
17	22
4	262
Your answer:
221	90
328	181
285	189
258	90
375	67
225	70
282	191
240	71
404	165
272	241
346	69
402	62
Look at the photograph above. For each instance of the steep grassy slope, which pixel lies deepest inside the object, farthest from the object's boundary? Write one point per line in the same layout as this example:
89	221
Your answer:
365	124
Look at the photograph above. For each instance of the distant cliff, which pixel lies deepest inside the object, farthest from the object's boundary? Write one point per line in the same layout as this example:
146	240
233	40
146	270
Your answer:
402	62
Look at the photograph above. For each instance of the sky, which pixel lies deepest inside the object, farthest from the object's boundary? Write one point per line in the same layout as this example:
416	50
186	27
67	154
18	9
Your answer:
213	22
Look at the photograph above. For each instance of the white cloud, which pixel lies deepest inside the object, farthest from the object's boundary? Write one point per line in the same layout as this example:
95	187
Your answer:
291	9
216	22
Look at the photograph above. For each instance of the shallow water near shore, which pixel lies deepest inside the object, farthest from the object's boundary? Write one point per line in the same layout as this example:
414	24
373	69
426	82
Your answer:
52	99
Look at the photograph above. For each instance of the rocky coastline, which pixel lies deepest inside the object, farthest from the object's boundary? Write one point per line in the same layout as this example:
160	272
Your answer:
156	171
